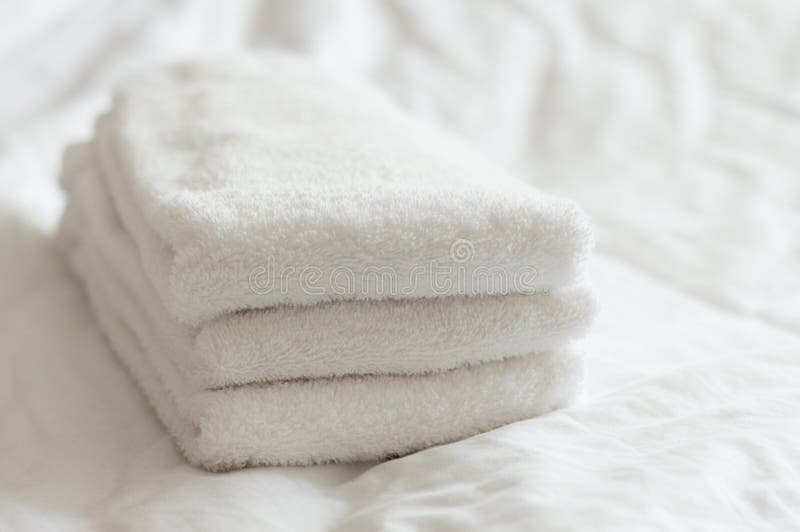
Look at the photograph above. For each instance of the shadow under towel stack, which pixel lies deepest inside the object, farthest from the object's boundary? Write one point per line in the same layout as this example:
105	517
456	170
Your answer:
296	272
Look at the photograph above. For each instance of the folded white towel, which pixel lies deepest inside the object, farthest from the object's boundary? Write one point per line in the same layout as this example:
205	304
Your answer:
213	216
261	167
321	420
329	339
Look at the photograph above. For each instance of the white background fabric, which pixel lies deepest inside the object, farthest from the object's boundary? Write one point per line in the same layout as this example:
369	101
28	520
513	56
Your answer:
675	124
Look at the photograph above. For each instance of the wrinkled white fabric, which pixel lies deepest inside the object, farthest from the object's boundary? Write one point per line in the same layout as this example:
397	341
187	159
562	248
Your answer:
673	123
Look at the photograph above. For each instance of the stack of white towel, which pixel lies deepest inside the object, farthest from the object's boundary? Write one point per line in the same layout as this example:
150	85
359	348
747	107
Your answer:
296	272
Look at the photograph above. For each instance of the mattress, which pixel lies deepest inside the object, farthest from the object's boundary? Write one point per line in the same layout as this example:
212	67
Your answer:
676	125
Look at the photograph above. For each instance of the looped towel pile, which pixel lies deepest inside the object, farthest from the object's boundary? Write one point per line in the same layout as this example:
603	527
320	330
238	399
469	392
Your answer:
296	272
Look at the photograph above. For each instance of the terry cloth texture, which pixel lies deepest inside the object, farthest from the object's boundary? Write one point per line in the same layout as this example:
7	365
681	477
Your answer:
212	189
328	339
301	422
224	169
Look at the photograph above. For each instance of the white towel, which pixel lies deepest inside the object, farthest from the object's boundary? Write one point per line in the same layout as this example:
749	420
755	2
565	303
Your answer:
329	339
321	420
203	175
255	164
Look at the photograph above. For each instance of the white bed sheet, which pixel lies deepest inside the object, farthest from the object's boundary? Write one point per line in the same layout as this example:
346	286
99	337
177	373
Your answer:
676	124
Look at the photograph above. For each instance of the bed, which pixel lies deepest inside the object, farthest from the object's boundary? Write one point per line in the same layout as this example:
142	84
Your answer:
675	124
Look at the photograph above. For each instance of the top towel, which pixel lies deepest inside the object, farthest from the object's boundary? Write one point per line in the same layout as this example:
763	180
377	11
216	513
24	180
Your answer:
259	181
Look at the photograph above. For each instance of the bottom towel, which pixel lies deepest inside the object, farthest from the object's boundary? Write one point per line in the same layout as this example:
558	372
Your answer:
354	418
